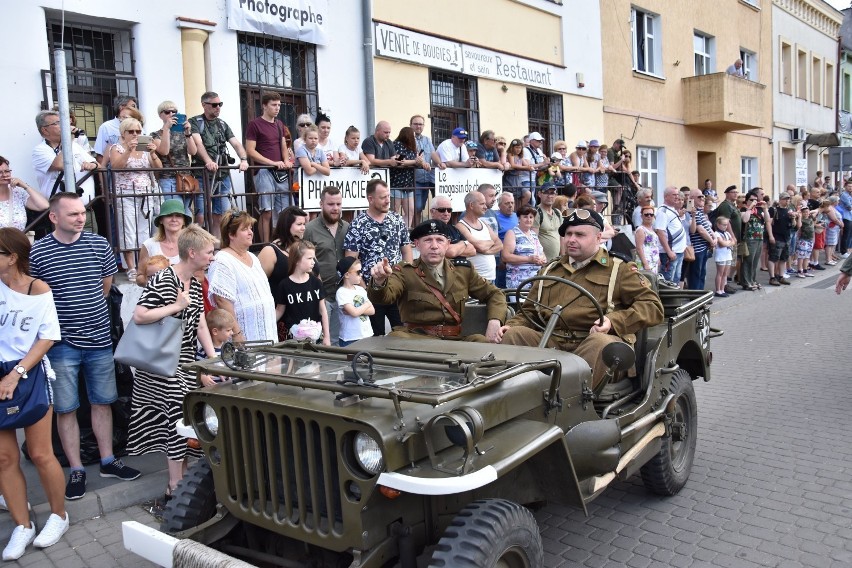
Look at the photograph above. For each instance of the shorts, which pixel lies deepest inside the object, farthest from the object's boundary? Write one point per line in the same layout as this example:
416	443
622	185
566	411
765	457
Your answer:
804	248
724	262
98	372
780	251
220	201
401	193
271	195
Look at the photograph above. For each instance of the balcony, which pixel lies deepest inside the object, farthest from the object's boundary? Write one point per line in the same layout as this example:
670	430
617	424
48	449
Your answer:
723	102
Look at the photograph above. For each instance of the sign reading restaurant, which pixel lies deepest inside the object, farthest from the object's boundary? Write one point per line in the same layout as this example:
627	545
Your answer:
399	43
303	20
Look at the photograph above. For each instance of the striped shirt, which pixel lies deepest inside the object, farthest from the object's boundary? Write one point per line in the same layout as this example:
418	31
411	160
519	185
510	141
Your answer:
75	273
698	242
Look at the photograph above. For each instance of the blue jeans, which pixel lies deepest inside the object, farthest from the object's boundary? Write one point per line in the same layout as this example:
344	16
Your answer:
420	197
670	269
697	274
98	371
169	188
219	201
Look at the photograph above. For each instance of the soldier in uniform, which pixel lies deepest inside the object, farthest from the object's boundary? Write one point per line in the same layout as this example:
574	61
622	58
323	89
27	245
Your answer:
432	290
626	297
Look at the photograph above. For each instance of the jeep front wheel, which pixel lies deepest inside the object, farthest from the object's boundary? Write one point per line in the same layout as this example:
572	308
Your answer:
490	533
667	472
193	502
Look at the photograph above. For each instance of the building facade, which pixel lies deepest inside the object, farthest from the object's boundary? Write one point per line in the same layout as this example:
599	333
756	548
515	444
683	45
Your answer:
668	96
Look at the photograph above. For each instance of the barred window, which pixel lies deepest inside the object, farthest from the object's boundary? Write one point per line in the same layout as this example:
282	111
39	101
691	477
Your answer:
544	113
454	102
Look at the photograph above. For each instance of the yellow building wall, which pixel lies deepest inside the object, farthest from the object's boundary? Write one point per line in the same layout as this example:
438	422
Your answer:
489	23
504	113
659	103
584	120
402	90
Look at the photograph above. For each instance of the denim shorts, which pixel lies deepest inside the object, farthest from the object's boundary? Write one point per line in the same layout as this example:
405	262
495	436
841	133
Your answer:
271	195
98	372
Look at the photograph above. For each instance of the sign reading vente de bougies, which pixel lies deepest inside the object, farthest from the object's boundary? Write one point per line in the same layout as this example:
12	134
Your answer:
350	181
303	20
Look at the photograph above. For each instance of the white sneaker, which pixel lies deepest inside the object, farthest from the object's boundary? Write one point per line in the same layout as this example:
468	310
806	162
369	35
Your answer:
52	531
20	539
785	276
5	507
844	255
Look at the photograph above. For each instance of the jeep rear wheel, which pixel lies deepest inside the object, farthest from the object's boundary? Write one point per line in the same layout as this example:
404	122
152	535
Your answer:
193	502
667	472
490	533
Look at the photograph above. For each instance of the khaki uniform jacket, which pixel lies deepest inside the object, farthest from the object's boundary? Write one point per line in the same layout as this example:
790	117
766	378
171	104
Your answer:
417	303
636	304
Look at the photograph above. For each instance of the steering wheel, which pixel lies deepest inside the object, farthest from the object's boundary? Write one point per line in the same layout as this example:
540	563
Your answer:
538	319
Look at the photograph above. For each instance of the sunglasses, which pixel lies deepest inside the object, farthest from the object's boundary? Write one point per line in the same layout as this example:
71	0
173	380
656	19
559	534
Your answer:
443	209
170	111
5	253
648	214
501	143
133	131
303	124
215	104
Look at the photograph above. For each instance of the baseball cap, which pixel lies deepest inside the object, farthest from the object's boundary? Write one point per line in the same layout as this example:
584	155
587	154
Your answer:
557	156
536	136
471	145
460	133
547	188
600	196
343	266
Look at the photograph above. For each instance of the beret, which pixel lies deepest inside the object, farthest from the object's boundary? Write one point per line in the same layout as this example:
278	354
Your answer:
430	227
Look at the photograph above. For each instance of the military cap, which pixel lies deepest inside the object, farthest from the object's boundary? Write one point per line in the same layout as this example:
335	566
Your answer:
582	217
430	227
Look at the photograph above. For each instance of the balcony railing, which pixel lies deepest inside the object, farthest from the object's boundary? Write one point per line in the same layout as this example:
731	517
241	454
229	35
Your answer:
723	102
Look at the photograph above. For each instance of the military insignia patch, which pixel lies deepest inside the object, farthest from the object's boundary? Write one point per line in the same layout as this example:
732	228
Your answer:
603	260
643	281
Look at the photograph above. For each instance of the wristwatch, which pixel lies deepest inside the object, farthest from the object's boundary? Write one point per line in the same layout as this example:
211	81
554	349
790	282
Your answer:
21	371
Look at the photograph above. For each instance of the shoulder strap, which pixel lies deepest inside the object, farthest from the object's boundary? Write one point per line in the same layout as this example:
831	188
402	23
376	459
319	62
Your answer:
30	288
439	295
610	306
202	124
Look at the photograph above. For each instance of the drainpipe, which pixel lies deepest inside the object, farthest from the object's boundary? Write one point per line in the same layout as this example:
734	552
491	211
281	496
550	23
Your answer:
369	85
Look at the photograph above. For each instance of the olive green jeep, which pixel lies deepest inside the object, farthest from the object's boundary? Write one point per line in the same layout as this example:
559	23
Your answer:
428	452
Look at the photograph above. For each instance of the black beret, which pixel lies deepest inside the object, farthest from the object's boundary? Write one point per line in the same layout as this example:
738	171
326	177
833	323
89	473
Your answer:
431	227
731	188
582	217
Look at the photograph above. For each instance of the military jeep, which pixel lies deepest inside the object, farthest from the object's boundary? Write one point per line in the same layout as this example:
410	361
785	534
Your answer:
428	452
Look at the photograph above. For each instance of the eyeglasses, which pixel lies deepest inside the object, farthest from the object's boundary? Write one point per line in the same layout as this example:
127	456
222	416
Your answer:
501	143
561	149
303	124
215	104
170	111
128	131
443	209
752	200
51	124
5	172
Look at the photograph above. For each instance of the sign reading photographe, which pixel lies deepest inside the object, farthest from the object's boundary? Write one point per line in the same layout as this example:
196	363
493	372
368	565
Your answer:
303	20
458	182
351	182
399	43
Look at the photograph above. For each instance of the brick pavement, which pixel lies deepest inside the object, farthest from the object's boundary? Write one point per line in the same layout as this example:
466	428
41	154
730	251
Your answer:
769	486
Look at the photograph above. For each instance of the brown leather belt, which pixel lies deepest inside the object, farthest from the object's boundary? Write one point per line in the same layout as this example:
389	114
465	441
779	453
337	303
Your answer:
437	330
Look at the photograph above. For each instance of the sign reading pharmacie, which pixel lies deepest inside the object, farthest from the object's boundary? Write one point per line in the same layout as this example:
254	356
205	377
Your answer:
458	182
303	20
415	47
350	181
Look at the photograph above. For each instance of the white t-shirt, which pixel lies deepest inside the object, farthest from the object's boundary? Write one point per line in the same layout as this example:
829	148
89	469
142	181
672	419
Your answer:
448	152
350	154
352	328
667	220
24	320
43	156
329	149
108	134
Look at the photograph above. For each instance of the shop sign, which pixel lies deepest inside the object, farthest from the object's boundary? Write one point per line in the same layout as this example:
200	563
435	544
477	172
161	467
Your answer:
303	20
350	181
458	182
398	43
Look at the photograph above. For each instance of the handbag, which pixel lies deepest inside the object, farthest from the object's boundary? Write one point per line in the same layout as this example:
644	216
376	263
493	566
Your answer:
185	183
280	176
689	254
152	347
29	402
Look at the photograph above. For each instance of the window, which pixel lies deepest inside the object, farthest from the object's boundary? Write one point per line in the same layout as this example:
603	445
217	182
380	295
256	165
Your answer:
845	94
802	74
99	64
749	59
650	166
272	63
816	80
454	102
786	83
829	85
647	33
748	173
703	47
544	112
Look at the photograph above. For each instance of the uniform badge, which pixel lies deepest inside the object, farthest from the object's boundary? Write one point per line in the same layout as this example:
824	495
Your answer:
603	260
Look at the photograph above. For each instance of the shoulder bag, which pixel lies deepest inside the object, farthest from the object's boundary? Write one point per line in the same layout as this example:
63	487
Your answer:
280	176
184	183
29	402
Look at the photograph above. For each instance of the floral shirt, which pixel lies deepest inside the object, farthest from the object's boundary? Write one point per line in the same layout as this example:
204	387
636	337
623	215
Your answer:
139	182
374	241
651	247
13	212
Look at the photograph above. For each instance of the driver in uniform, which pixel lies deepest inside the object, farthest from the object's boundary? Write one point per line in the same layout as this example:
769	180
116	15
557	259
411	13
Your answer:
432	290
626	297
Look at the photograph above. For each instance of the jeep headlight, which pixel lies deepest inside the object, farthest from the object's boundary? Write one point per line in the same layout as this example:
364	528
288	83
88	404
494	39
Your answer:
368	453
211	420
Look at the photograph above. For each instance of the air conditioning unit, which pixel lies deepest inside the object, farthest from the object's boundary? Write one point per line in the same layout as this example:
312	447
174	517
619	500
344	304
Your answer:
798	135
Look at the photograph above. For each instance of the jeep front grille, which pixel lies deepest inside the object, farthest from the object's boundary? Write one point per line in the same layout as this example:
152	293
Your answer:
282	468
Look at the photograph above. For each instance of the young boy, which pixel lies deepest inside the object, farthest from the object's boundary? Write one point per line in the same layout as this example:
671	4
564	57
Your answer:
353	302
155	264
221	325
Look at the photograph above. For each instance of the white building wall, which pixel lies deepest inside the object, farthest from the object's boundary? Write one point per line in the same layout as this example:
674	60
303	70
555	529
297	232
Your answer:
159	64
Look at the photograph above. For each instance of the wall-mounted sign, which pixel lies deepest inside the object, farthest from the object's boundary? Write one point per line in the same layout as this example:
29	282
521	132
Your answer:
350	181
399	43
303	20
455	183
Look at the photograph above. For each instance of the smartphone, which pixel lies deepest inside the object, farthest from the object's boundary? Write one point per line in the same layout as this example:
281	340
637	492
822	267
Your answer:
178	127
142	142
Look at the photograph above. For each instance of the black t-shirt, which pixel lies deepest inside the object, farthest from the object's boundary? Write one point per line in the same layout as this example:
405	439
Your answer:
781	222
300	301
379	151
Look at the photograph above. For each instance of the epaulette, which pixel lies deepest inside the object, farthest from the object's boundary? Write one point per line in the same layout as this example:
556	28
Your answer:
461	261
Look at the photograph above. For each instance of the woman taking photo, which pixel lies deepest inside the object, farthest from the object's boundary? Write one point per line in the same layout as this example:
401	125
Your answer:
522	252
309	156
16	197
157	403
22	351
237	282
171	220
174	148
130	210
402	176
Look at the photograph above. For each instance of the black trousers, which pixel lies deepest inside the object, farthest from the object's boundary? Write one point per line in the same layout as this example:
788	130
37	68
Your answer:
377	320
